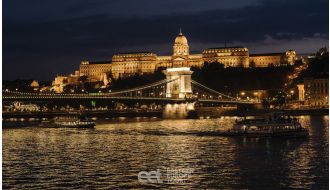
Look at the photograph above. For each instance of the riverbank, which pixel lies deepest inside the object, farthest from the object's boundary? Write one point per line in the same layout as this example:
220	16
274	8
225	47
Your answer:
212	112
90	114
205	112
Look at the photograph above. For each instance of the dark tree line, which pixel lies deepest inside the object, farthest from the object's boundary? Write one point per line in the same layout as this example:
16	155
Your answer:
233	79
318	68
137	80
215	76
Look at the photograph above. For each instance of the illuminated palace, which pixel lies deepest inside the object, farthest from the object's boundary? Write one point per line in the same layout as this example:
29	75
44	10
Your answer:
128	64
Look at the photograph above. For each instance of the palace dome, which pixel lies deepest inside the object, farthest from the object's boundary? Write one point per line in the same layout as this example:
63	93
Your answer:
181	39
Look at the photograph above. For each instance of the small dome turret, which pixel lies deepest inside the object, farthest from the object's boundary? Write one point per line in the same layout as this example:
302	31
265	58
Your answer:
181	39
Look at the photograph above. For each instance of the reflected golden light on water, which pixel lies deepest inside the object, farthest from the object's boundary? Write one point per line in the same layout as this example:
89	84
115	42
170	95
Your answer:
111	155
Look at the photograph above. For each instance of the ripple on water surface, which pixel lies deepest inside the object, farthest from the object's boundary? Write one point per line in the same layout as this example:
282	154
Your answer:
112	155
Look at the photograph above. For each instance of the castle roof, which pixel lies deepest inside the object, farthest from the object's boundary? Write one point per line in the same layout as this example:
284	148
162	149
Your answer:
133	52
266	54
225	47
181	39
99	62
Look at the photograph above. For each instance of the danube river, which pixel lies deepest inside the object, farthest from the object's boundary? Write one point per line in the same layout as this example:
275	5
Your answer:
183	153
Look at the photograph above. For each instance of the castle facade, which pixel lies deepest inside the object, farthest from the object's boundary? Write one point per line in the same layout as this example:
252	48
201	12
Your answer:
127	64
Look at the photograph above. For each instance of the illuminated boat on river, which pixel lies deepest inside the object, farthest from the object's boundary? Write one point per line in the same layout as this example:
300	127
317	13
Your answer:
70	122
271	125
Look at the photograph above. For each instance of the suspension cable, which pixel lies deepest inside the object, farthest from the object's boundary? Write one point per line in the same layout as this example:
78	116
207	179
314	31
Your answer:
111	93
143	87
216	92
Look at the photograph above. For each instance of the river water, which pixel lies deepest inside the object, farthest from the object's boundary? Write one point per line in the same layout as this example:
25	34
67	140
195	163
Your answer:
184	153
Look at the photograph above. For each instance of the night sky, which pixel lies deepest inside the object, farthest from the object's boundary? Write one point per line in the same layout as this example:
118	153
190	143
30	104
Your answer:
43	38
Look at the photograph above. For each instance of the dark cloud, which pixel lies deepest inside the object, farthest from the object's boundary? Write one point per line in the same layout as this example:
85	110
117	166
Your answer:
64	9
56	41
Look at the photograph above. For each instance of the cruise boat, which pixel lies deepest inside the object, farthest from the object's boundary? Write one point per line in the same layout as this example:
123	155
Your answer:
273	124
70	122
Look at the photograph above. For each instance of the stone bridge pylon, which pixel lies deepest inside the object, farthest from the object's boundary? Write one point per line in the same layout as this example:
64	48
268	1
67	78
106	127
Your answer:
180	87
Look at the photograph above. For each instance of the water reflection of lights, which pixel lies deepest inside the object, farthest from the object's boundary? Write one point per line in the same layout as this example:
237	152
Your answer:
122	118
127	148
190	106
177	110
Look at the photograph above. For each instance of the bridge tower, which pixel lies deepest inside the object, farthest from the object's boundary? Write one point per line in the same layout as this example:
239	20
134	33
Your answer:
180	87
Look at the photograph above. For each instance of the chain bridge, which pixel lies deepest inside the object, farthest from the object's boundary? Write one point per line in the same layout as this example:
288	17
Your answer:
178	87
